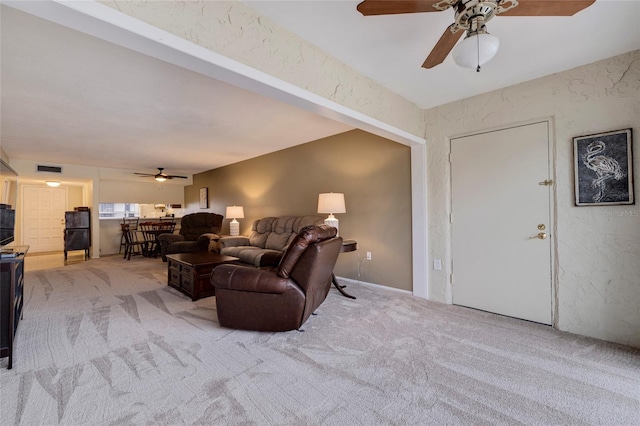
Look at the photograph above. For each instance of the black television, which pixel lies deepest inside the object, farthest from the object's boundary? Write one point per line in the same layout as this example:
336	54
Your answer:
8	199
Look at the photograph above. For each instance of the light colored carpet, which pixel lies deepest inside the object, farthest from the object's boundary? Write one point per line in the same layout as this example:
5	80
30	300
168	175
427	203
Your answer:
107	342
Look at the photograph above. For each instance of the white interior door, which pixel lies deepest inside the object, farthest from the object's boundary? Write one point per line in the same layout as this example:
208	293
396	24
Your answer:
43	217
498	209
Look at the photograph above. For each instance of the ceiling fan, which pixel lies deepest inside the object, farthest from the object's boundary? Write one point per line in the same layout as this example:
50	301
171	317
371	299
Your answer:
161	177
471	16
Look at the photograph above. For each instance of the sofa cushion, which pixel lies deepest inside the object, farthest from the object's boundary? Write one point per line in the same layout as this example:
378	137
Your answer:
260	231
281	232
303	222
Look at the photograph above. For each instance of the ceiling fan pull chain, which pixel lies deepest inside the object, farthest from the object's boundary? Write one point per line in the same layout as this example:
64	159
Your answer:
478	51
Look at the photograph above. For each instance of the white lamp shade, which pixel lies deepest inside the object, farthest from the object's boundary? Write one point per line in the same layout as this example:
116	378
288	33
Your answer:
466	55
235	212
331	203
53	183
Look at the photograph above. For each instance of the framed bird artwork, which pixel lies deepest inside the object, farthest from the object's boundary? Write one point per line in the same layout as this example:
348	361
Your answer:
603	168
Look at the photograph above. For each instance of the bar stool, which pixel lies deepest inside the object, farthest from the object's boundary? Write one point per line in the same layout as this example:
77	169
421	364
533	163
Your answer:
131	242
133	227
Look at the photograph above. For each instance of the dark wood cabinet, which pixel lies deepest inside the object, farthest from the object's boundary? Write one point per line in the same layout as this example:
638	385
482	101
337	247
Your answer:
7	224
77	239
11	297
77	219
77	232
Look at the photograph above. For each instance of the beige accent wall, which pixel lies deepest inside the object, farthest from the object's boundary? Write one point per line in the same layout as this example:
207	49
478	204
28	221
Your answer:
372	172
598	247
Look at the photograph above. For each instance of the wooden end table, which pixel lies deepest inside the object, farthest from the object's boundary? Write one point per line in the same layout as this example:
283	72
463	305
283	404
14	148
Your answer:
190	273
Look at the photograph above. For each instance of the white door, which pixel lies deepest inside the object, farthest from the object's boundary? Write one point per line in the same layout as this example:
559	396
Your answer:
43	217
501	241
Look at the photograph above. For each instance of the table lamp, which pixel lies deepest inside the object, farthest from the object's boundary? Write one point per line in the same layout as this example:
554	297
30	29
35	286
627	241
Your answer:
331	203
235	212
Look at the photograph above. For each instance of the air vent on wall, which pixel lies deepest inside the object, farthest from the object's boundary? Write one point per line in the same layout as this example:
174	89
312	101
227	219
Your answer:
50	169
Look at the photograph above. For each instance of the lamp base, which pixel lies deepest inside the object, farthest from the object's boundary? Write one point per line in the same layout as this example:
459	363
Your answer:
332	221
234	228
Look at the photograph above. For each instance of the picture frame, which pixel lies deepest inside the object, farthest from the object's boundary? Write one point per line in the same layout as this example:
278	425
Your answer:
603	169
204	198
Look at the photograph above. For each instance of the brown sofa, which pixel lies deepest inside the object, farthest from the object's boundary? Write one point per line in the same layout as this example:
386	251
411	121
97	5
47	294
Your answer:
268	239
279	298
198	232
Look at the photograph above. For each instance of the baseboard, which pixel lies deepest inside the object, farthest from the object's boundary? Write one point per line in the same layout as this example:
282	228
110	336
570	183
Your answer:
378	286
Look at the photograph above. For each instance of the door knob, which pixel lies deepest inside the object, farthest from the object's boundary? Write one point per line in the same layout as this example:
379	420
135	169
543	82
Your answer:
540	236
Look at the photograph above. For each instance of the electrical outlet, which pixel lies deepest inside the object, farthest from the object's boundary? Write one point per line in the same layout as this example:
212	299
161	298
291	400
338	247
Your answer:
368	255
437	264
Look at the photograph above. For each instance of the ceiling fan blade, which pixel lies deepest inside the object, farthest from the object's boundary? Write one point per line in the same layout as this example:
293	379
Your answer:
392	7
443	47
548	7
160	175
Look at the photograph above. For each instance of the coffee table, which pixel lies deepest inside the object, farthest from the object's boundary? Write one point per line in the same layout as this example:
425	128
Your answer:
190	273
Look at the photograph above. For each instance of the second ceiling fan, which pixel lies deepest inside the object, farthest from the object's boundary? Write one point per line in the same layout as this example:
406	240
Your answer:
471	16
160	176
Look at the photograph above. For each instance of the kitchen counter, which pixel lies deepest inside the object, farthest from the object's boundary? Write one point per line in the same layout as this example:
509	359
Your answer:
141	219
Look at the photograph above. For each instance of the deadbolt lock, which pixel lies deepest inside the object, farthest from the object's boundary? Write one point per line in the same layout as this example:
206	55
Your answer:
541	227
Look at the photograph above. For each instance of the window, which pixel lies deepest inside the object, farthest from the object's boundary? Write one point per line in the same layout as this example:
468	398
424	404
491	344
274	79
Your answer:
118	210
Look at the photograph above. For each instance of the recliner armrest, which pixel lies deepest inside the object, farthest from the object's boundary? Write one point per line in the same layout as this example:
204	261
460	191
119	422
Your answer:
243	278
234	241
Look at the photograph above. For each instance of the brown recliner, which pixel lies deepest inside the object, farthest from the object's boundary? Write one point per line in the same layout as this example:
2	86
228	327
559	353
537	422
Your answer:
280	298
197	231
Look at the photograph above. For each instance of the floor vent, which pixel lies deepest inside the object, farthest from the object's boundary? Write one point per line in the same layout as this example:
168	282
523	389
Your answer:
50	169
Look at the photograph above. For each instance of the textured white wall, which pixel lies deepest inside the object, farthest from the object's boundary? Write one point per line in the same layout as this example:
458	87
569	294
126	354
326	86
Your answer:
598	247
237	31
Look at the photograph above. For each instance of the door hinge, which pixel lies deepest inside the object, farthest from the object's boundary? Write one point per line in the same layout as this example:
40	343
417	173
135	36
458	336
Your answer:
451	278
450	158
450	217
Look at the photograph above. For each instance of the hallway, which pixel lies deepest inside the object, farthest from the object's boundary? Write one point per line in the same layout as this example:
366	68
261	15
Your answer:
48	260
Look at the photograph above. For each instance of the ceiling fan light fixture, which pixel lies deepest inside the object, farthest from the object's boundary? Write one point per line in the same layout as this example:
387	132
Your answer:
160	178
475	50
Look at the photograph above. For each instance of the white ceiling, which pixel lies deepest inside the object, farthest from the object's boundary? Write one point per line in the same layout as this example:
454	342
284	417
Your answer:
390	49
70	98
